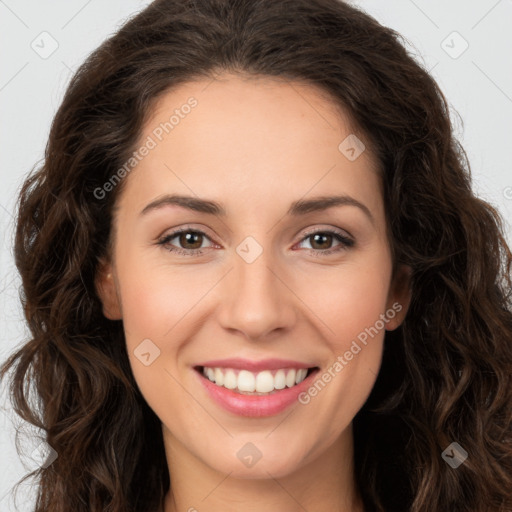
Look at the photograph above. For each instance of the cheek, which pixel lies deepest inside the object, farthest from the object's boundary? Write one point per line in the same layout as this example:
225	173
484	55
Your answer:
350	305
152	309
348	300
156	297
155	302
155	305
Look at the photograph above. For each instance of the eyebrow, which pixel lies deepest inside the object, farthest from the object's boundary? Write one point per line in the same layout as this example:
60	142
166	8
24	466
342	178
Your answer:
297	208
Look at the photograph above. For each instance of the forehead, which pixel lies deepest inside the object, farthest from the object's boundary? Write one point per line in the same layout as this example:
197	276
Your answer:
252	139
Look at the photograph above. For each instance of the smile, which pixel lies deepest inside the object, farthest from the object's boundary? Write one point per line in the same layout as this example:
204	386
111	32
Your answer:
254	393
255	383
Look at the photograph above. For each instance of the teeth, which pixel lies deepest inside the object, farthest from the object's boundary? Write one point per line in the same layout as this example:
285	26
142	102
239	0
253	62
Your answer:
290	378
230	380
246	381
264	382
280	379
219	376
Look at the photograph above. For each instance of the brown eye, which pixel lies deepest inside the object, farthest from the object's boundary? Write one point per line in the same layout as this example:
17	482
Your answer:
194	238
189	242
321	242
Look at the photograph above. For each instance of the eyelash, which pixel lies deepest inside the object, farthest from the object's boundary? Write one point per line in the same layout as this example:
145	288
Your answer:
346	242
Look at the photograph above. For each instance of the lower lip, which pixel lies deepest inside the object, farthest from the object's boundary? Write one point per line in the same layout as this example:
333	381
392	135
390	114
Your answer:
255	405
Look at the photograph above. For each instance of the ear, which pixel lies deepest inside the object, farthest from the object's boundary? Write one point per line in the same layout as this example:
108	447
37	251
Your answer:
399	297
106	289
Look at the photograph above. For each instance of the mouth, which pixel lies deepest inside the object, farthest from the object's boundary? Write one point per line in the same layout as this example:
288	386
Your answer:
250	383
255	394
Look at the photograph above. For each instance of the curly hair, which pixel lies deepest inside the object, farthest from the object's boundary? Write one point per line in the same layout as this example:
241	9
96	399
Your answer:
446	372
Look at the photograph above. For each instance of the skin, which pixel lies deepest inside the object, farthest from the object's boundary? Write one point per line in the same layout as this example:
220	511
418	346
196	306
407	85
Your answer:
255	146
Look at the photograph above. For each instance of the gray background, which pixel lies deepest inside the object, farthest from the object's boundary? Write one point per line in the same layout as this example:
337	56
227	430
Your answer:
43	43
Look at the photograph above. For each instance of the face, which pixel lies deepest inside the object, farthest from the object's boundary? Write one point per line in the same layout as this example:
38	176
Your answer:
262	275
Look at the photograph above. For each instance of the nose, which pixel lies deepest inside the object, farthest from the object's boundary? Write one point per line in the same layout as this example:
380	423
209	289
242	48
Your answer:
258	299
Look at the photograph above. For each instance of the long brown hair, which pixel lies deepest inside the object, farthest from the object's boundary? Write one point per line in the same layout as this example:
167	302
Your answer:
446	372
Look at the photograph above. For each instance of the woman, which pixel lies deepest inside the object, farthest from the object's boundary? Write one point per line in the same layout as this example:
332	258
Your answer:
254	372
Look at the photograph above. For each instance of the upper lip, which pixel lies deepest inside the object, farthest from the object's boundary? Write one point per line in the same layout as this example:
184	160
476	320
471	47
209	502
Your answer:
255	366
